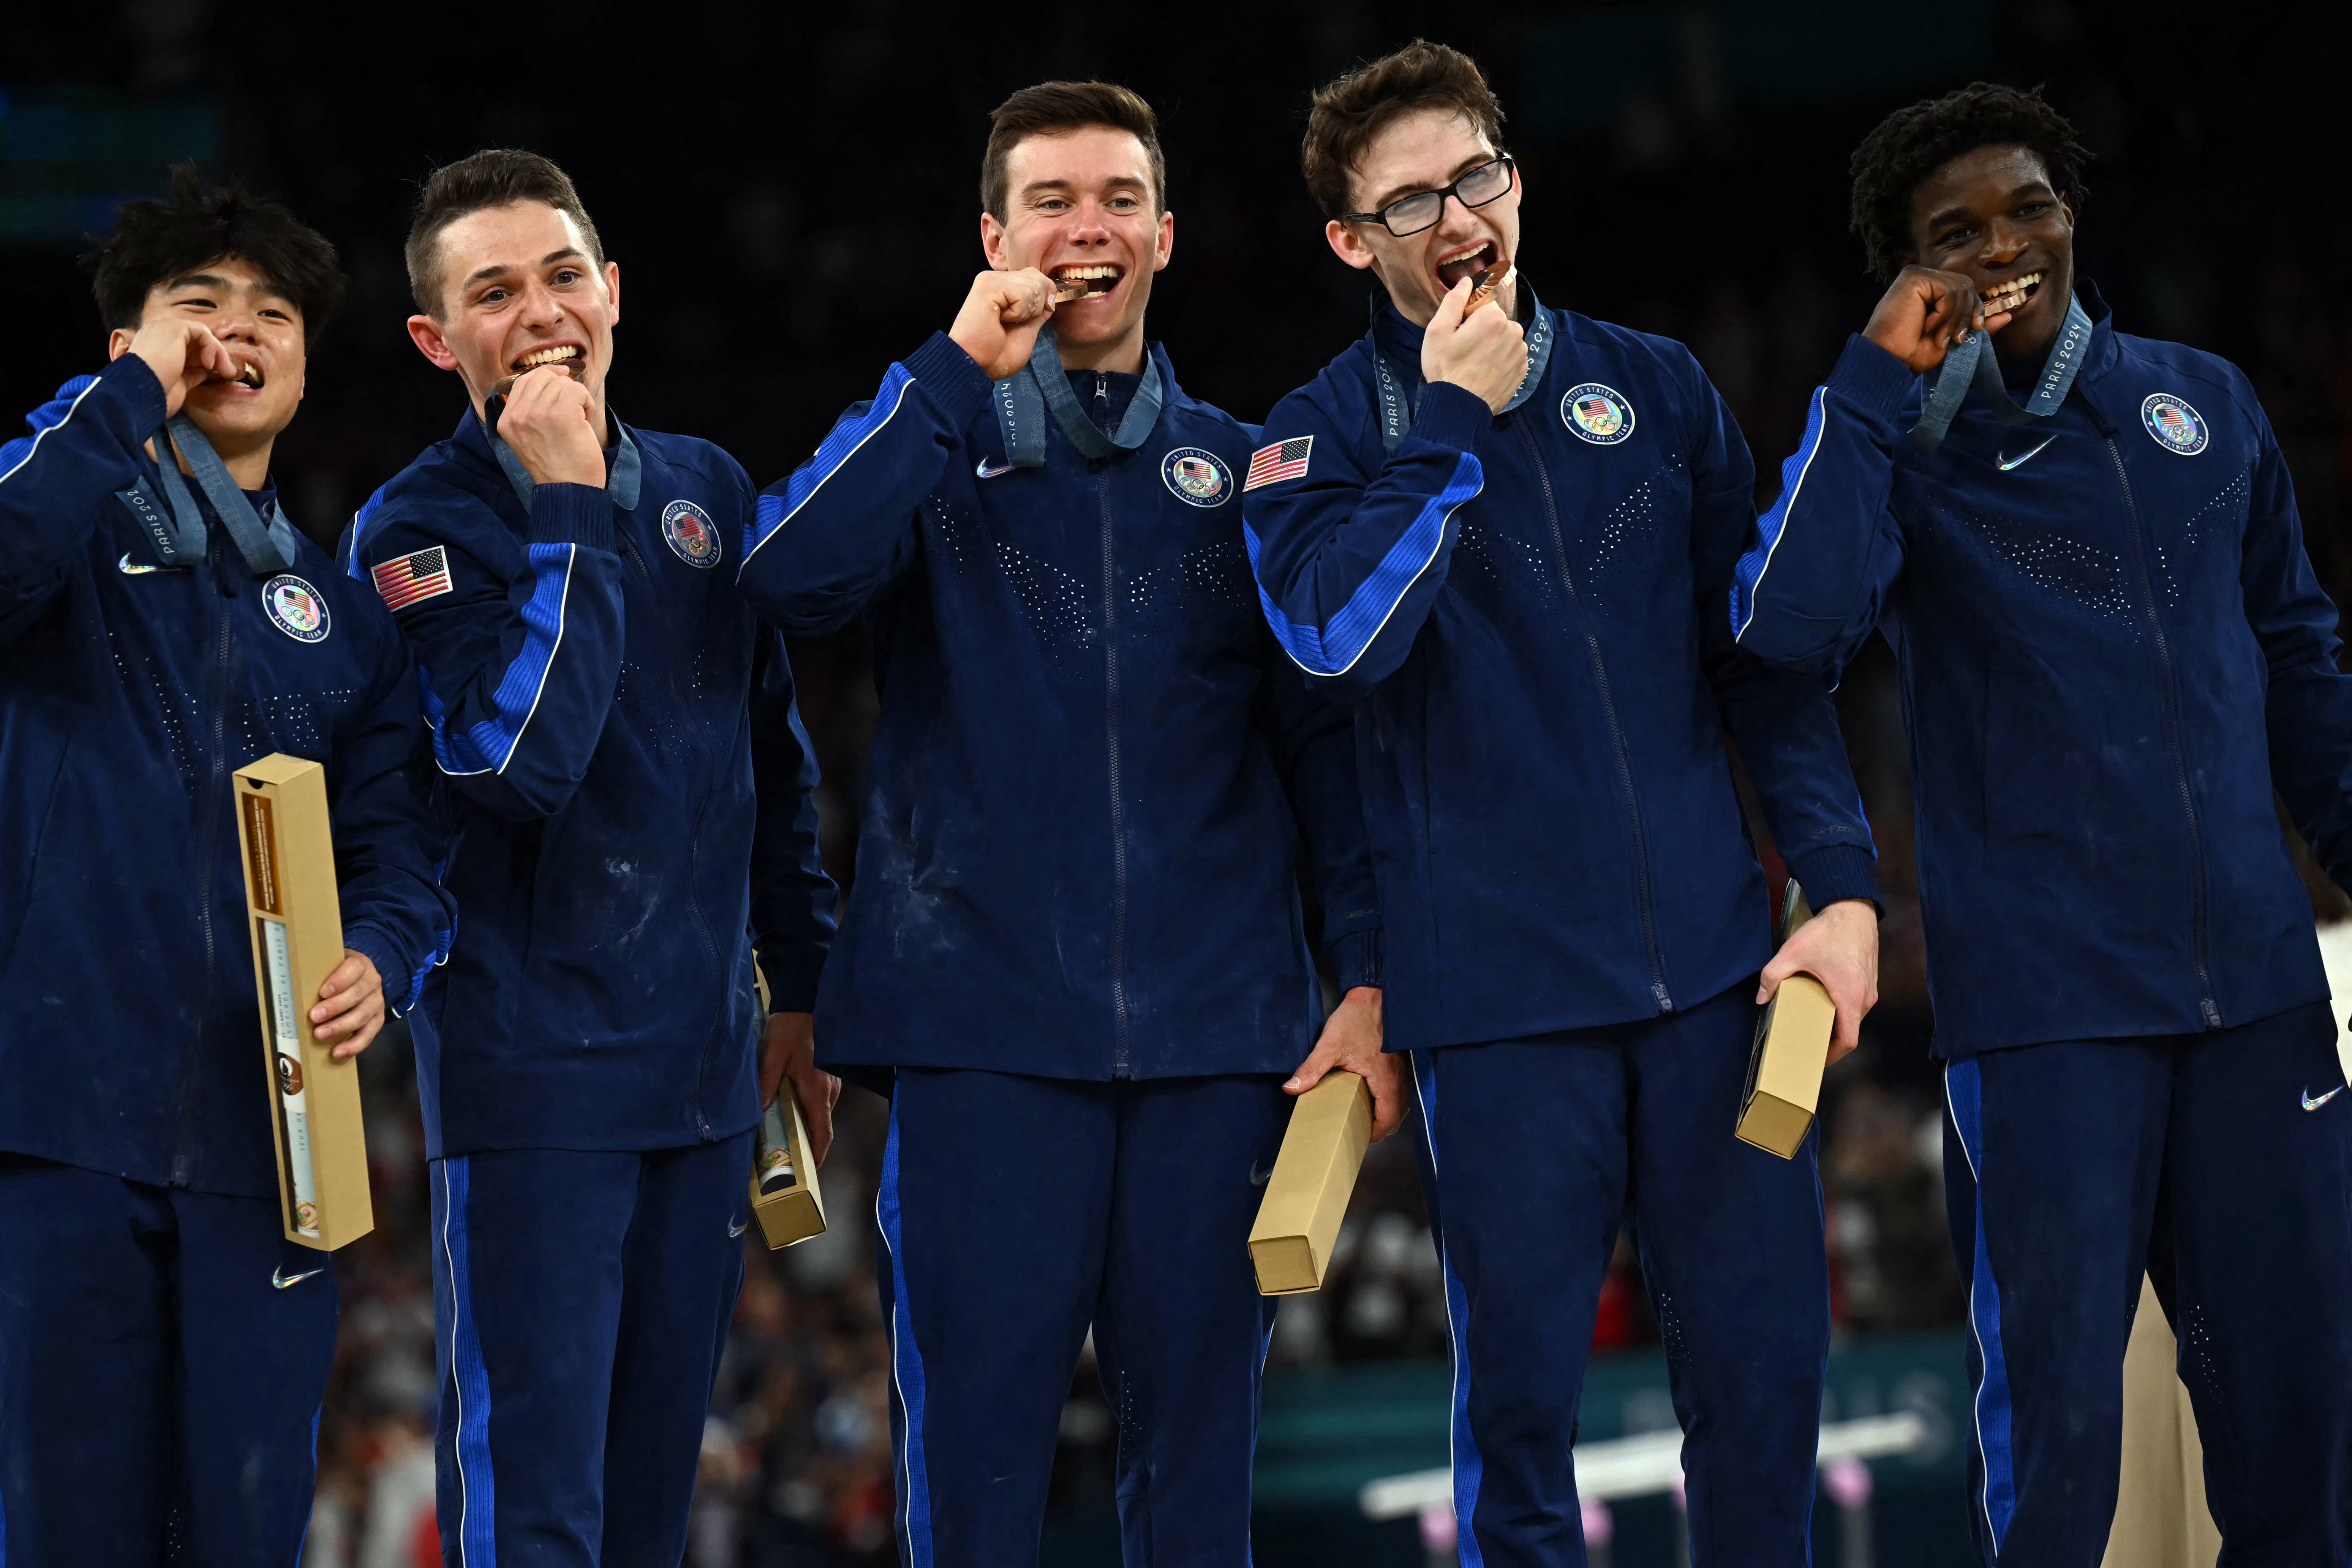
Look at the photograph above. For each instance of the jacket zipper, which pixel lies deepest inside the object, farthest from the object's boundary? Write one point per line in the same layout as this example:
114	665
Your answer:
693	730
1121	1065
1642	891
184	1157
2211	1010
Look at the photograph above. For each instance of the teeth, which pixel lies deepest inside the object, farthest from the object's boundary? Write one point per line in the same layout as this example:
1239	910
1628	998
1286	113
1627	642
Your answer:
547	356
1079	274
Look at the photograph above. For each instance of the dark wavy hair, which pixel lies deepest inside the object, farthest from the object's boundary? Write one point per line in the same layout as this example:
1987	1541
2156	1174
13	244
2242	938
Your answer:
156	241
1912	143
1350	112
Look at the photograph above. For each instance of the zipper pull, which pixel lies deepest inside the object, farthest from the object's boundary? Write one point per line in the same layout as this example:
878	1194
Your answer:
1102	387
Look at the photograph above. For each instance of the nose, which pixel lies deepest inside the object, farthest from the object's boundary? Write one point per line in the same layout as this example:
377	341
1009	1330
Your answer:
1090	229
2004	243
542	308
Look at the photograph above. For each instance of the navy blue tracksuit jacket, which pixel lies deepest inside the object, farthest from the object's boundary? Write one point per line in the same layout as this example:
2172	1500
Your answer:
617	735
129	1040
2112	648
1078	859
1531	608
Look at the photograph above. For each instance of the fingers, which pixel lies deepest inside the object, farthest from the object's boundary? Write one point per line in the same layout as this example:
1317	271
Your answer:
771	1070
1320	1061
1027	295
1388	1103
353	1030
1451	310
817	1089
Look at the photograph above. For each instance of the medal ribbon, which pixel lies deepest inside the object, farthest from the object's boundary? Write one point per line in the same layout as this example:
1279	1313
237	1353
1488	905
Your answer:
622	468
267	546
1972	363
1023	397
1401	399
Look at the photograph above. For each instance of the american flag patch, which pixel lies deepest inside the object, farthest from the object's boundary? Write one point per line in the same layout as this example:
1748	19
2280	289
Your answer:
419	575
1283	461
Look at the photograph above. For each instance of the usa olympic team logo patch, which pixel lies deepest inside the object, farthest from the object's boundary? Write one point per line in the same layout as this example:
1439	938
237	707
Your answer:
1196	477
1598	414
692	538
2176	426
296	608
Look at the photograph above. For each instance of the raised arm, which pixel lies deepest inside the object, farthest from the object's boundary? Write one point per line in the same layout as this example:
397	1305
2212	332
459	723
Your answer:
825	539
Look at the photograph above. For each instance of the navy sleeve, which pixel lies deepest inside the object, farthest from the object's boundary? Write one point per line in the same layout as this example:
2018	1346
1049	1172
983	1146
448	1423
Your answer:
1349	560
84	447
391	838
2310	707
1315	749
1782	720
793	899
522	654
1811	590
826	539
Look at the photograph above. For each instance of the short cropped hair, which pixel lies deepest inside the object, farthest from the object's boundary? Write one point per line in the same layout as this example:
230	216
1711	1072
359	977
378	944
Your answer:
1912	143
494	177
1350	112
156	241
1055	109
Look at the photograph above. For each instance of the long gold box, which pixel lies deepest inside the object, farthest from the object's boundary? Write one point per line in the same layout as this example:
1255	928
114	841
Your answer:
1792	1052
1314	1175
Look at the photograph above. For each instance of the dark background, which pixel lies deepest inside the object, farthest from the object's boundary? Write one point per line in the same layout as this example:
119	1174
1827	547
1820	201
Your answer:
790	194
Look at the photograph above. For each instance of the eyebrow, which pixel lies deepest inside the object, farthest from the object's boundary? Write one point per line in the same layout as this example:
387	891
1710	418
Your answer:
1399	193
219	284
500	268
1036	187
1960	214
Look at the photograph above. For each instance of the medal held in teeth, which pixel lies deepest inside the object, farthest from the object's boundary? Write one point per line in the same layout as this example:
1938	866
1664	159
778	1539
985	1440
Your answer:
1083	283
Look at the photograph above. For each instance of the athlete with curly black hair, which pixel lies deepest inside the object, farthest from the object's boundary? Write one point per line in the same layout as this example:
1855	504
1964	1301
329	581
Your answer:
2084	549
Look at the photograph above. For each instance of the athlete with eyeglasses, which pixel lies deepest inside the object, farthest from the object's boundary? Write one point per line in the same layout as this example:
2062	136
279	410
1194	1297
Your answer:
1509	532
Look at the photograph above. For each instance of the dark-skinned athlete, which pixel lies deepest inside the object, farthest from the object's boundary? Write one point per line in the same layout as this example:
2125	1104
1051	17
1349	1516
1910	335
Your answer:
2085	550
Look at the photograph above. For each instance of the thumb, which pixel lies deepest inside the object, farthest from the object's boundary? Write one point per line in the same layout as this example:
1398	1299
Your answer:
1310	1072
1451	307
1768	982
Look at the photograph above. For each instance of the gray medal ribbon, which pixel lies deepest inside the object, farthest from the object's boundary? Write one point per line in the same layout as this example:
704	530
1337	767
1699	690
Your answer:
1401	399
1970	362
623	470
267	546
1023	397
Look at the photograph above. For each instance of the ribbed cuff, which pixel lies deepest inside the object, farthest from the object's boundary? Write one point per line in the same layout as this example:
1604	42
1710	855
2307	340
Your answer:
793	971
132	382
1836	872
390	966
1869	377
1451	416
949	378
571	514
1357	959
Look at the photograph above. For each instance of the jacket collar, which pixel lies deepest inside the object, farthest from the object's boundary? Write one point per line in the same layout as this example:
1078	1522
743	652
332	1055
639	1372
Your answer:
623	468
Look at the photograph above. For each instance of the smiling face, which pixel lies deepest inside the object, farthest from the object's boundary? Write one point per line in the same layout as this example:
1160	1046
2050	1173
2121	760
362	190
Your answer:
262	330
1079	207
1991	215
1428	150
519	289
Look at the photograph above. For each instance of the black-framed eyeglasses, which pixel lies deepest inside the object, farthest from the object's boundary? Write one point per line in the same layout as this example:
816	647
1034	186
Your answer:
1410	215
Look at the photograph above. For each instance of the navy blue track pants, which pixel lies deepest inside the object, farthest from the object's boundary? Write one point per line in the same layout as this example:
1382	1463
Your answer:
2219	1163
1532	1150
580	1303
162	1354
1016	1211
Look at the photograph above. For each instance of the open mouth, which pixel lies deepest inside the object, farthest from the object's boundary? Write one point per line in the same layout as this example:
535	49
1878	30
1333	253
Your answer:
568	355
2010	297
1470	262
248	376
1085	282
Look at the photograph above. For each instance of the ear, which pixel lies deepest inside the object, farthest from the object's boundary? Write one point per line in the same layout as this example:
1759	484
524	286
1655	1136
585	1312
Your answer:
118	341
992	242
425	334
613	293
1164	245
1348	244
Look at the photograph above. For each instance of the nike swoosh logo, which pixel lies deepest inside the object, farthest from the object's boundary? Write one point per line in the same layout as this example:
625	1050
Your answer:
2311	1104
737	1228
986	472
1258	1174
2008	462
279	1277
130	568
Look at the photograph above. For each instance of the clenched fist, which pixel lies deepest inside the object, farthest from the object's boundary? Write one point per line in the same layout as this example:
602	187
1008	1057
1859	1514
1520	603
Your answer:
1484	352
183	355
551	422
998	324
1924	312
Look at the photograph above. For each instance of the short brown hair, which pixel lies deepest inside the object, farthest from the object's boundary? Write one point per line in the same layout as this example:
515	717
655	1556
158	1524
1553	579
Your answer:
1058	107
1348	112
494	177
